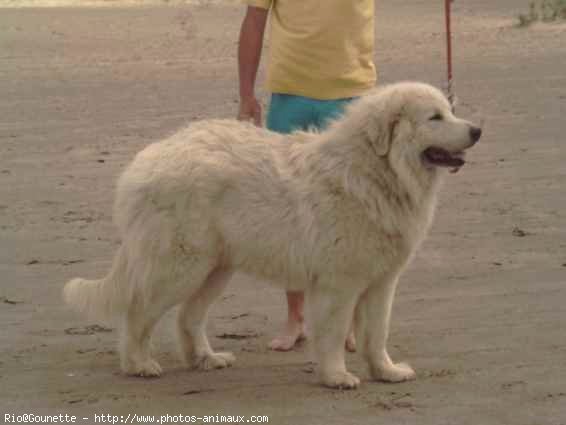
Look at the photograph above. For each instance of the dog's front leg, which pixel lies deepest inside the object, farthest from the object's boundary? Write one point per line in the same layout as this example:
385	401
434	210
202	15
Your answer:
331	315
372	317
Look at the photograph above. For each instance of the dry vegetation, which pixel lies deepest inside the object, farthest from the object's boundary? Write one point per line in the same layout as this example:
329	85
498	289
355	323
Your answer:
543	11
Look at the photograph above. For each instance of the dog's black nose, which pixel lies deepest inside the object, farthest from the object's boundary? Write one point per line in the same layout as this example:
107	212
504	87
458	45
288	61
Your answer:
475	134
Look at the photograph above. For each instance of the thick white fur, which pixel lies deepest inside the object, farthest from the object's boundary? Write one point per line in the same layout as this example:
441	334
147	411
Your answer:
336	214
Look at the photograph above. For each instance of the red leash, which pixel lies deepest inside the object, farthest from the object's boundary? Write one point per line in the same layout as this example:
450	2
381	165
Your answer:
449	88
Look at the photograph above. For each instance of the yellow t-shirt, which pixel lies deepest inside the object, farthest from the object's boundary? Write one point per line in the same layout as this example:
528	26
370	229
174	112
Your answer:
321	49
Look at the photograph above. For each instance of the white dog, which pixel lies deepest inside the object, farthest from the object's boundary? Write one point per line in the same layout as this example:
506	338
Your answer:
337	215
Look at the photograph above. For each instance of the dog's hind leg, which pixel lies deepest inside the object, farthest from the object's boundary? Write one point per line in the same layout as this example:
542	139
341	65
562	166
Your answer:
195	347
157	291
331	316
372	317
140	319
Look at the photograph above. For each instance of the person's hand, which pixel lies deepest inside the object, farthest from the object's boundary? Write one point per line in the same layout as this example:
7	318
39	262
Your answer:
250	110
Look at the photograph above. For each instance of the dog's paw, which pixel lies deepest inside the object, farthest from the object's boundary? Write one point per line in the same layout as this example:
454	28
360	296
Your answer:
399	372
340	380
214	361
146	369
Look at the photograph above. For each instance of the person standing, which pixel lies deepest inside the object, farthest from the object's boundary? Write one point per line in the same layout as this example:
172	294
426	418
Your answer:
320	58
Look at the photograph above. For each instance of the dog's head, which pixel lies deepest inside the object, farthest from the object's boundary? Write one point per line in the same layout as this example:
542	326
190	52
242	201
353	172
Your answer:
415	122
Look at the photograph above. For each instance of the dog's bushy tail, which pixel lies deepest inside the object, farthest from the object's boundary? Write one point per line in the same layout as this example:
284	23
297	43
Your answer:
103	298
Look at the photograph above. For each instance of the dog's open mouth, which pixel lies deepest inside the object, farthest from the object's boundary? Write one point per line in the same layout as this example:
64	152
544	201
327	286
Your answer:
442	158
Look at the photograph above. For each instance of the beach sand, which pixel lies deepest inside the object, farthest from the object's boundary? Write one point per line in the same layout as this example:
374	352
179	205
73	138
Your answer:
480	313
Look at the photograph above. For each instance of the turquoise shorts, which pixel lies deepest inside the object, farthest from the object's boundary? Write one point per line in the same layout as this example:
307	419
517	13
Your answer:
288	113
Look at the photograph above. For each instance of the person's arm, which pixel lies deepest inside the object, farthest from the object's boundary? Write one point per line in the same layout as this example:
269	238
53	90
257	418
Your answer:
249	55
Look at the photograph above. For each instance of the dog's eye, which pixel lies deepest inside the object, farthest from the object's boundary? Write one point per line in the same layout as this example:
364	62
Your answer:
437	117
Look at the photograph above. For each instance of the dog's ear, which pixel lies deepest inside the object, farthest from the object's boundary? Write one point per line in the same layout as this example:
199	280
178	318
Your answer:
380	132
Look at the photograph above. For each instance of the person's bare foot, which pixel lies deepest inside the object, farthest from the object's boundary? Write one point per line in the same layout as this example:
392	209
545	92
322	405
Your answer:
292	334
351	342
295	328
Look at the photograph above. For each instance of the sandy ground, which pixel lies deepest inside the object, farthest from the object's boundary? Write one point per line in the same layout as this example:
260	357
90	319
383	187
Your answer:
480	314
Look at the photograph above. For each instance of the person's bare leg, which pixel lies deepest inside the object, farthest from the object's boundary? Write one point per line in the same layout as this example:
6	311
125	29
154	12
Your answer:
294	329
351	340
